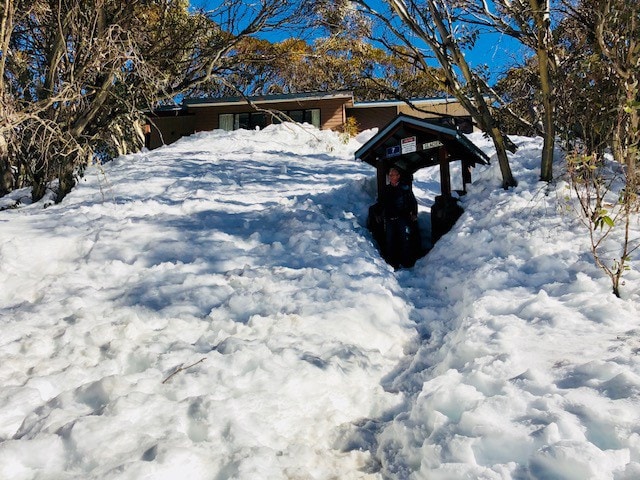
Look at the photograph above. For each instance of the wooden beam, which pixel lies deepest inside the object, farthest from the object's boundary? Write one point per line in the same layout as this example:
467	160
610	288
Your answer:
445	172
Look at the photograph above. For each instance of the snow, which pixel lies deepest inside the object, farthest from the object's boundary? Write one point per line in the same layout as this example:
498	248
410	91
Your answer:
216	309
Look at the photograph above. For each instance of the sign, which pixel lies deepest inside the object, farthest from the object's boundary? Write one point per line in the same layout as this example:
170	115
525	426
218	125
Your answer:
393	151
430	145
409	145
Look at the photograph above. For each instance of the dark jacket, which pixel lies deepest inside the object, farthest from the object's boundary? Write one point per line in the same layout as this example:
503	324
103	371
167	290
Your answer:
399	202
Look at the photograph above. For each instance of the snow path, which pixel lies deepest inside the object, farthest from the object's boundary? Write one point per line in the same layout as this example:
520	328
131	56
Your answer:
217	309
499	383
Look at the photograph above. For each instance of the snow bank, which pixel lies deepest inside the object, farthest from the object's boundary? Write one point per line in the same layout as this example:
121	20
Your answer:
217	309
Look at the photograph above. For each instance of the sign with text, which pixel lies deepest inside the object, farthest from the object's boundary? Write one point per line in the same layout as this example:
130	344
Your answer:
409	145
393	151
430	145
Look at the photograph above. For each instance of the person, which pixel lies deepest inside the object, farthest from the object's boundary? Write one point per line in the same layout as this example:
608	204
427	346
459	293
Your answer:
400	211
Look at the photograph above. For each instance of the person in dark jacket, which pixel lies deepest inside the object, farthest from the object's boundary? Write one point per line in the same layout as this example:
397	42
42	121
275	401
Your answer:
400	210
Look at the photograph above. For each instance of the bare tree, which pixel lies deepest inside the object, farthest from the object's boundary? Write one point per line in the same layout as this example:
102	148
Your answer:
433	24
606	208
76	75
528	21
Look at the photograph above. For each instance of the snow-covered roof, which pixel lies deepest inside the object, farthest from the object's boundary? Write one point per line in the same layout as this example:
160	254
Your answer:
261	99
414	101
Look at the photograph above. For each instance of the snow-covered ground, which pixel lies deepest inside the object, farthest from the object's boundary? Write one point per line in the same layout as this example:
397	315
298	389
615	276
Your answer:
216	309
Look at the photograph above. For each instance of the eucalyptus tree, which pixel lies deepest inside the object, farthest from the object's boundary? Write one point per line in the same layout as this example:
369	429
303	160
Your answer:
433	30
76	75
530	23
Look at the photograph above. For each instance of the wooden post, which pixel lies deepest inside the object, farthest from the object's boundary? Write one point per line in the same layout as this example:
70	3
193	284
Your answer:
381	177
445	172
466	174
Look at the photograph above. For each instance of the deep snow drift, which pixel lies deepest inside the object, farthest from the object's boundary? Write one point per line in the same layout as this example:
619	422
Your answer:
216	309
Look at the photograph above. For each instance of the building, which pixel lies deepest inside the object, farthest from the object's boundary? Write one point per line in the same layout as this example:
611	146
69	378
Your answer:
445	111
325	110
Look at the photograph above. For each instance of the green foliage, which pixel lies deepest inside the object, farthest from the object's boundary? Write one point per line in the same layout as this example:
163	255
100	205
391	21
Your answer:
606	206
602	218
341	57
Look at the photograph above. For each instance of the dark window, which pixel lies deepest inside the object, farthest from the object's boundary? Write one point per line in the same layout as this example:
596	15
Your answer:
257	119
251	120
311	116
247	120
464	124
296	115
243	121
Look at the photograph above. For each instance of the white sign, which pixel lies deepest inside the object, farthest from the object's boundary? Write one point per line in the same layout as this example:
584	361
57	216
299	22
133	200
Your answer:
430	145
409	145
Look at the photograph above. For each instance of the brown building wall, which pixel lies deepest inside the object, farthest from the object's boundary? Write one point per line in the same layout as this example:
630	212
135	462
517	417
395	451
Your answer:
451	109
373	116
332	114
166	130
379	116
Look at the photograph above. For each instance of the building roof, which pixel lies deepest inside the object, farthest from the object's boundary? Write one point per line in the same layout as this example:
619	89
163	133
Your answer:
395	103
261	99
413	143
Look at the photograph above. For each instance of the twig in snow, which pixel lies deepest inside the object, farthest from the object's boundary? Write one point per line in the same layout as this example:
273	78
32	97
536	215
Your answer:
181	368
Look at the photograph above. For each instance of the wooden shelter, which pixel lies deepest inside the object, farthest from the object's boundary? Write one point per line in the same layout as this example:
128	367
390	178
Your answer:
410	144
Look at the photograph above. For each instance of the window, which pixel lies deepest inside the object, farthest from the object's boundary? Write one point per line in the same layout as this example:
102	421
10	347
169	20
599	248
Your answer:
257	119
226	121
296	115
248	120
310	115
251	120
315	117
242	121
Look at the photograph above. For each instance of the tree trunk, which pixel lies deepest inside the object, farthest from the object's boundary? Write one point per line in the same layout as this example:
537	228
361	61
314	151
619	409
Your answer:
542	19
482	113
39	186
6	173
66	178
500	145
633	148
6	26
546	166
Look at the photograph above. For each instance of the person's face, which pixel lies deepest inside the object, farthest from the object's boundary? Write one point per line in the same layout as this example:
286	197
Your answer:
394	177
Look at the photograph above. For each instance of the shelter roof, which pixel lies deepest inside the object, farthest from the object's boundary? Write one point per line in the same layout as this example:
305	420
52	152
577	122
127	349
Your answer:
413	143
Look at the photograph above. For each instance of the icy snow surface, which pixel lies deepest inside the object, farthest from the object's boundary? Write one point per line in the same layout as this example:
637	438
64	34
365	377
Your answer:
216	309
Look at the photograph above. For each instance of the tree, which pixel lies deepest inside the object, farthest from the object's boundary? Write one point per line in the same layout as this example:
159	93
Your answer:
77	75
607	31
529	21
434	23
518	89
617	26
585	94
339	57
541	15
